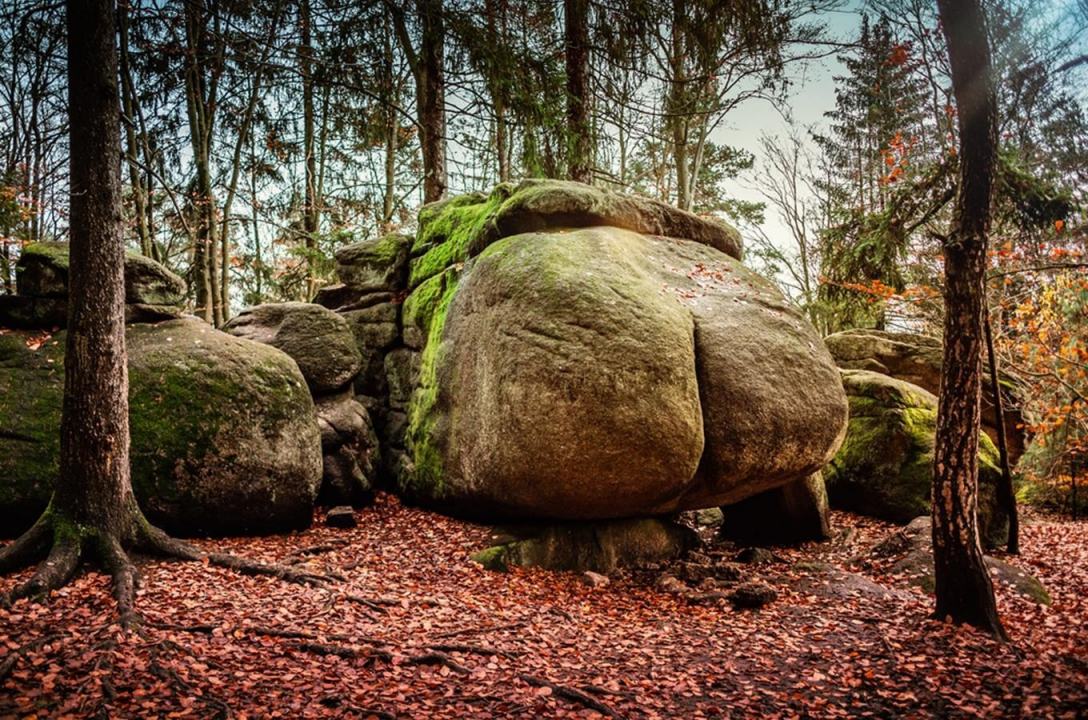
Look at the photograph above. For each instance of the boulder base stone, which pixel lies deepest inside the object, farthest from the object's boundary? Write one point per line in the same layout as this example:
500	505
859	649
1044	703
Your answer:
350	451
793	513
600	547
884	468
316	338
224	439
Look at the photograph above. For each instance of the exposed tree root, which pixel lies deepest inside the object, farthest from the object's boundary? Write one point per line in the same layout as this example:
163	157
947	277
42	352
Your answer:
54	572
64	545
28	548
573	694
14	656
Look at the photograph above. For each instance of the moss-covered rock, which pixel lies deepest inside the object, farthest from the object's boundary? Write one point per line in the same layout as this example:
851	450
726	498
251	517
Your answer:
224	439
917	359
374	265
600	547
316	338
452	231
42	271
884	468
600	373
911	550
793	513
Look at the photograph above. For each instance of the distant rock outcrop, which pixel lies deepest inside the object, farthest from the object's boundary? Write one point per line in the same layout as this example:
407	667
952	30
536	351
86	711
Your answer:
884	468
917	359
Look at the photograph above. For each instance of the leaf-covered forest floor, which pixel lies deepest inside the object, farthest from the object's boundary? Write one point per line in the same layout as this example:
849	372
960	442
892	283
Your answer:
416	630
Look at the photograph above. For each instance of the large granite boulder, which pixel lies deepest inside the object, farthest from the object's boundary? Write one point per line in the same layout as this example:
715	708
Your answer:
884	468
597	372
793	513
316	338
917	359
41	280
224	438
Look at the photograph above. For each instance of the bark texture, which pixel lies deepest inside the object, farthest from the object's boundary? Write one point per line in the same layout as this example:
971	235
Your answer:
93	513
576	32
963	587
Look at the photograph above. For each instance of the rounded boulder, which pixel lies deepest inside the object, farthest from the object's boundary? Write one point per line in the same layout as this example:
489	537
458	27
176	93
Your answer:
224	436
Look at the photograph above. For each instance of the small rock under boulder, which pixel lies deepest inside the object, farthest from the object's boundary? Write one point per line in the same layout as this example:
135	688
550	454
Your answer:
752	595
341	516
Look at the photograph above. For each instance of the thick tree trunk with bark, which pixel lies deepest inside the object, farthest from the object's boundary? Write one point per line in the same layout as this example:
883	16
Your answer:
93	513
428	71
576	35
963	587
310	207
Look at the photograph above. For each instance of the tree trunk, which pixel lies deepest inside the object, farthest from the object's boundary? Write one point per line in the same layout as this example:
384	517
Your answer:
200	109
309	208
431	100
963	587
93	487
93	513
1006	497
128	95
576	38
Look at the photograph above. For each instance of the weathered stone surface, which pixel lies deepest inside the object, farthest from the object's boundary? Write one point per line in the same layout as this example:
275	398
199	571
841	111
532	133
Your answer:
369	336
30	313
917	359
46	313
913	546
342	516
316	338
340	297
884	468
224	439
459	228
401	375
752	595
601	373
600	547
374	265
793	513
349	448
42	271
